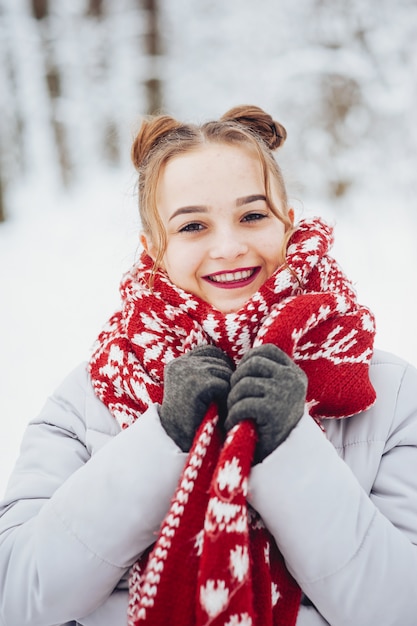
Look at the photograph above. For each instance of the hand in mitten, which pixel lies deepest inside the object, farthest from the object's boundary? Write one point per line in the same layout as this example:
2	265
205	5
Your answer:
269	388
191	383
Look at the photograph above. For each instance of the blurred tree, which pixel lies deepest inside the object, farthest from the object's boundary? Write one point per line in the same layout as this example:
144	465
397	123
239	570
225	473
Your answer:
40	8
54	82
154	50
339	75
95	8
74	77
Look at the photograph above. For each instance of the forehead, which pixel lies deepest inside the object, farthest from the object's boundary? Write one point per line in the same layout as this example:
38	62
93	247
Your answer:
216	162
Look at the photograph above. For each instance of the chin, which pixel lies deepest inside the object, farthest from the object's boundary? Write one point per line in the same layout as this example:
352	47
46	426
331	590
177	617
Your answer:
231	308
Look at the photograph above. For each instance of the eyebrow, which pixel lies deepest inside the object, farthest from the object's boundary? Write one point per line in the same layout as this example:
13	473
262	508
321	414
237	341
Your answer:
249	199
186	210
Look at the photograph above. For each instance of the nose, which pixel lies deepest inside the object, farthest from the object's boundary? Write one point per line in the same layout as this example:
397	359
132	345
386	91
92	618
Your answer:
228	245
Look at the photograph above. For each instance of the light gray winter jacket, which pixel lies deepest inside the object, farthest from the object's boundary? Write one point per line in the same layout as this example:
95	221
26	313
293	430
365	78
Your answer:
83	503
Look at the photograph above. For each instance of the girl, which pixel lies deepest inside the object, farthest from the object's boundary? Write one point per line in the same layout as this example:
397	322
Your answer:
235	452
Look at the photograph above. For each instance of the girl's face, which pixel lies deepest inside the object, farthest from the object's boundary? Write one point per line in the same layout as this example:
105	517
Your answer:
223	241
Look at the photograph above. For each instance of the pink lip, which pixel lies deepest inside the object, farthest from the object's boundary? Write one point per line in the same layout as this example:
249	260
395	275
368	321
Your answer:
234	284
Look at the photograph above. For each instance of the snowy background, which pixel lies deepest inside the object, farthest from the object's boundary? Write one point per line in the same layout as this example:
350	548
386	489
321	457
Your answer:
75	77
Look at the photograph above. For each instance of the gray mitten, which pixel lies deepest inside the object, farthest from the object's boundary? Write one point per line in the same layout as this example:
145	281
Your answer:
191	383
269	388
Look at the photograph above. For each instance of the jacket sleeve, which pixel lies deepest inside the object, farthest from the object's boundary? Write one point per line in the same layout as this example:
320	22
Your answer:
353	553
72	524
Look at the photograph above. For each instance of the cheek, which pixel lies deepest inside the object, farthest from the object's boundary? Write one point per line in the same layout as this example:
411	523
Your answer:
178	262
274	251
275	261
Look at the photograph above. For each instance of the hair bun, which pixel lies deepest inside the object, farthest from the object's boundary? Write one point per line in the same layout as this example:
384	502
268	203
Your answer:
259	122
151	131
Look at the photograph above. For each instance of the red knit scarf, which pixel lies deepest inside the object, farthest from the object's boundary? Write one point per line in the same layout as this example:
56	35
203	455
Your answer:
214	561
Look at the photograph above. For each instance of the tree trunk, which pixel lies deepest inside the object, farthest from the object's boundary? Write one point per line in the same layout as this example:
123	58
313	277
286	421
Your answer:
95	8
53	80
40	8
153	49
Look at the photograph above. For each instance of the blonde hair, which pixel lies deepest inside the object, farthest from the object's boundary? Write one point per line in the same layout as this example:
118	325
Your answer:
161	138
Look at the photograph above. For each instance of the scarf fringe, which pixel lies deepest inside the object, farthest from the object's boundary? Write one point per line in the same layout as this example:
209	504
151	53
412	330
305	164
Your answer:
237	575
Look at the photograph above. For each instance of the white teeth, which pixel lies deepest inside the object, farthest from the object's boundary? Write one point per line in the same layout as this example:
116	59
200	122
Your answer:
231	276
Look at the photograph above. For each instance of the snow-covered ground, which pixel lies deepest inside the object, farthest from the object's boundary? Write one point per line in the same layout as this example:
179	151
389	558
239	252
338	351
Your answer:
62	258
61	263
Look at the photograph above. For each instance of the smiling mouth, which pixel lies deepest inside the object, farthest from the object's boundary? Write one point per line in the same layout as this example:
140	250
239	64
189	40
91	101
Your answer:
231	280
